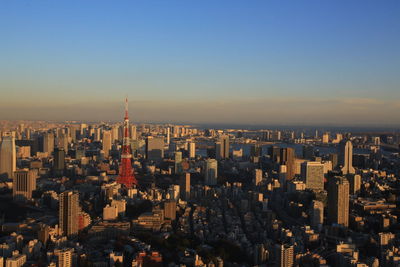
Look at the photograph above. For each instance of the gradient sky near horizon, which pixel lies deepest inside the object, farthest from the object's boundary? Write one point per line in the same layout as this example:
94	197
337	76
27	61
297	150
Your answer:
264	62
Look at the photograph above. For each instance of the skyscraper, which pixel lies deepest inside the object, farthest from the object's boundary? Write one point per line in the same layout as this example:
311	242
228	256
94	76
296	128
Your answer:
338	201
312	173
24	182
133	132
64	257
59	161
316	214
346	157
8	156
256	150
62	141
192	150
170	209
274	154
184	184
178	162
211	172
222	147
285	255
355	183
68	212
258	175
48	143
287	157
168	135
154	148
107	143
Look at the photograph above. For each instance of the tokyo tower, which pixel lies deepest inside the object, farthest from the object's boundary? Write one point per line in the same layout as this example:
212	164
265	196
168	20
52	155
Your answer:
126	176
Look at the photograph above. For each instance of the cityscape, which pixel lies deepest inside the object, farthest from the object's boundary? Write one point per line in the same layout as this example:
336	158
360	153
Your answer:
157	134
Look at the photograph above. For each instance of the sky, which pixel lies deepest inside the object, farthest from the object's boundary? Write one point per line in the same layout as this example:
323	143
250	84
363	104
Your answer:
333	62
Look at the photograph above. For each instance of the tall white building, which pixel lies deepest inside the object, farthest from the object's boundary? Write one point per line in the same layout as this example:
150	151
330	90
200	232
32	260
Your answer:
168	135
192	150
8	156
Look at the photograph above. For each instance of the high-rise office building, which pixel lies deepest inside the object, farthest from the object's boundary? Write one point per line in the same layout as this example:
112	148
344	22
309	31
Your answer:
8	156
287	157
107	142
48	143
154	148
24	182
355	183
222	147
184	184
276	136
282	175
256	150
168	135
312	173
133	132
178	162
316	214
115	133
17	260
325	138
192	150
68	212
62	141
338	201
97	134
59	161
110	212
258	175
346	157
176	131
64	257
211	172
274	153
170	209
284	255
333	157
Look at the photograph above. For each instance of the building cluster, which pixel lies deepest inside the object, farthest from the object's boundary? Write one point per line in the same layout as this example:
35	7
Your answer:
200	197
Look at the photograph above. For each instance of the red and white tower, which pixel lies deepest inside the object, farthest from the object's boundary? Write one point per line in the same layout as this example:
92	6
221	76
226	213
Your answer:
126	175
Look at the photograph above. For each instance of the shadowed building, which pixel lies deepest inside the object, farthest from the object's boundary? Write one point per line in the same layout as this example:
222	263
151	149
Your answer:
154	148
24	182
68	212
222	147
338	201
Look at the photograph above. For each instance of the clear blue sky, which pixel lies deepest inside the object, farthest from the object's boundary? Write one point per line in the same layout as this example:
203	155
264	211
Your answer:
202	61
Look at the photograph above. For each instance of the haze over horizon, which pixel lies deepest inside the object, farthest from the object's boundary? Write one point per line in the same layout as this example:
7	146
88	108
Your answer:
261	62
